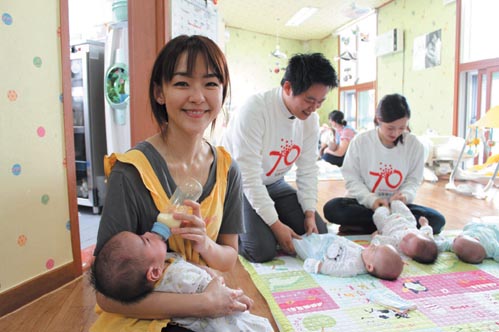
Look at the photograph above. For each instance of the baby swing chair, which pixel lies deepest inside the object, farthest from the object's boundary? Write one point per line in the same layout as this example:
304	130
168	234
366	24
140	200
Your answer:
489	121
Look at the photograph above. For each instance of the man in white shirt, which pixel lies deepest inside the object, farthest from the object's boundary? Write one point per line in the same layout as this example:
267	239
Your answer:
270	132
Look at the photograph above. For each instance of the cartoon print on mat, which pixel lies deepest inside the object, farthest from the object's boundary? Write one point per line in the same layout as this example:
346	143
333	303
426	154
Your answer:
450	296
414	286
386	313
305	301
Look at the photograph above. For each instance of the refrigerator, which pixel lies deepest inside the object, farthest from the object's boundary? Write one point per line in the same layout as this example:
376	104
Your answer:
87	90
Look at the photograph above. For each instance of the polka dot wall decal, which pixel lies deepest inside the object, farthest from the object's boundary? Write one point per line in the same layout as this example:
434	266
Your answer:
40	131
68	225
37	61
49	264
61	97
12	95
16	169
7	19
45	199
21	240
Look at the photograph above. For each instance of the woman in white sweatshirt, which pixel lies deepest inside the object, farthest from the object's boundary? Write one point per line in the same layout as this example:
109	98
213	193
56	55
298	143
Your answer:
381	165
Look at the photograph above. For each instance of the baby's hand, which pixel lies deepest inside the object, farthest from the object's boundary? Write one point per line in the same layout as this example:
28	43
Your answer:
380	202
423	221
398	196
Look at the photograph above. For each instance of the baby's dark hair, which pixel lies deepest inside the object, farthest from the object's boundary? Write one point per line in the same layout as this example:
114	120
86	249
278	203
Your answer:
426	252
118	274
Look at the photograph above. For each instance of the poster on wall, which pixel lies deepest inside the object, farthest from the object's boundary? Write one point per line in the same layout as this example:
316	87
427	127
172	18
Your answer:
194	17
426	50
348	57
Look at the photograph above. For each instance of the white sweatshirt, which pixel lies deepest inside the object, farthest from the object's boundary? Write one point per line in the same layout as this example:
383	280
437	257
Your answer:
266	143
373	171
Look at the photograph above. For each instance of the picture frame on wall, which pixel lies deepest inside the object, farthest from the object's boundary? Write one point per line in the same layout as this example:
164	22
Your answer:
427	50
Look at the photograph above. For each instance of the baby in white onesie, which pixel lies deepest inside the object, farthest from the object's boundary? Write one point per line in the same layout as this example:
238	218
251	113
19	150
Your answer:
398	227
340	257
131	266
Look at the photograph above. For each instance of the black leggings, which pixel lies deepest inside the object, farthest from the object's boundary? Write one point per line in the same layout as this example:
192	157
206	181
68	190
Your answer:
259	244
332	159
348	212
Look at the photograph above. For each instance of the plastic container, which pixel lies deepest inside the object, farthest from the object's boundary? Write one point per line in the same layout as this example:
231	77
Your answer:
190	189
120	10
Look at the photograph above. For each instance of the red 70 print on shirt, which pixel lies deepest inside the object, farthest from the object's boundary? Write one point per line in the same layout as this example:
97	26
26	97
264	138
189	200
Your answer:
386	172
285	153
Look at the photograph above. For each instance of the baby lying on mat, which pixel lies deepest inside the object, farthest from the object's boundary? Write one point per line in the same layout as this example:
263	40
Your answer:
398	227
340	257
476	242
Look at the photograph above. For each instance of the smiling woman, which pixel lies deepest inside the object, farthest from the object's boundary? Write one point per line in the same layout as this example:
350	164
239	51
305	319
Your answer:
188	86
382	165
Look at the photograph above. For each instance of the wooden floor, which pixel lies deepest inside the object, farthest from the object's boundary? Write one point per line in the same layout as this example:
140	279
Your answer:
70	308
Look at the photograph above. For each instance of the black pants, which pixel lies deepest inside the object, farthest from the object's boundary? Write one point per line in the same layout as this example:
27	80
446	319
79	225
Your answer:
348	212
332	159
259	244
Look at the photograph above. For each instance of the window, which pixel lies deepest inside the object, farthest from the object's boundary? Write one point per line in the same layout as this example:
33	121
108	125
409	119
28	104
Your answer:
357	63
479	63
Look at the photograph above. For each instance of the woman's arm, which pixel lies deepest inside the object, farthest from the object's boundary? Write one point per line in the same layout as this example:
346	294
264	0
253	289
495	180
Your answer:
220	255
338	150
217	300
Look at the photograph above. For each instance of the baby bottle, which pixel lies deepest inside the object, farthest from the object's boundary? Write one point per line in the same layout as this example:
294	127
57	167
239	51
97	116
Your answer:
189	189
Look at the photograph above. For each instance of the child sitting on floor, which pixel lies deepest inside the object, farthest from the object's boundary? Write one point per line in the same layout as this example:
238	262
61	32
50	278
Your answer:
398	227
130	266
338	256
476	242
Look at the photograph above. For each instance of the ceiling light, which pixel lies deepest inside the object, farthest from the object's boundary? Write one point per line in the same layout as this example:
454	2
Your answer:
301	16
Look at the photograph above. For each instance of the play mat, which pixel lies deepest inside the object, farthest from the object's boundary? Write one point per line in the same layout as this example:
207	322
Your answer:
326	172
449	296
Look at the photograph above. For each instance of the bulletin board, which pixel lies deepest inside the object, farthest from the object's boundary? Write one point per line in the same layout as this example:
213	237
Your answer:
194	17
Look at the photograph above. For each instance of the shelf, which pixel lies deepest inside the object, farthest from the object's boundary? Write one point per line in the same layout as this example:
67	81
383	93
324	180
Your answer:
84	201
79	129
81	165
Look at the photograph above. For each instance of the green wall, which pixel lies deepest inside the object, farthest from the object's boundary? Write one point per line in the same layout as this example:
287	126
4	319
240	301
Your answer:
430	92
252	67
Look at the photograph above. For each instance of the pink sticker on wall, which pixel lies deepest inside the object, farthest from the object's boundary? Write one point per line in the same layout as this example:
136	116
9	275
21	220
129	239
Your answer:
40	131
49	264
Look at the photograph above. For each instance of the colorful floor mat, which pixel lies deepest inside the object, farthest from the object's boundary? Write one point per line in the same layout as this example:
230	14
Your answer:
326	172
450	296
